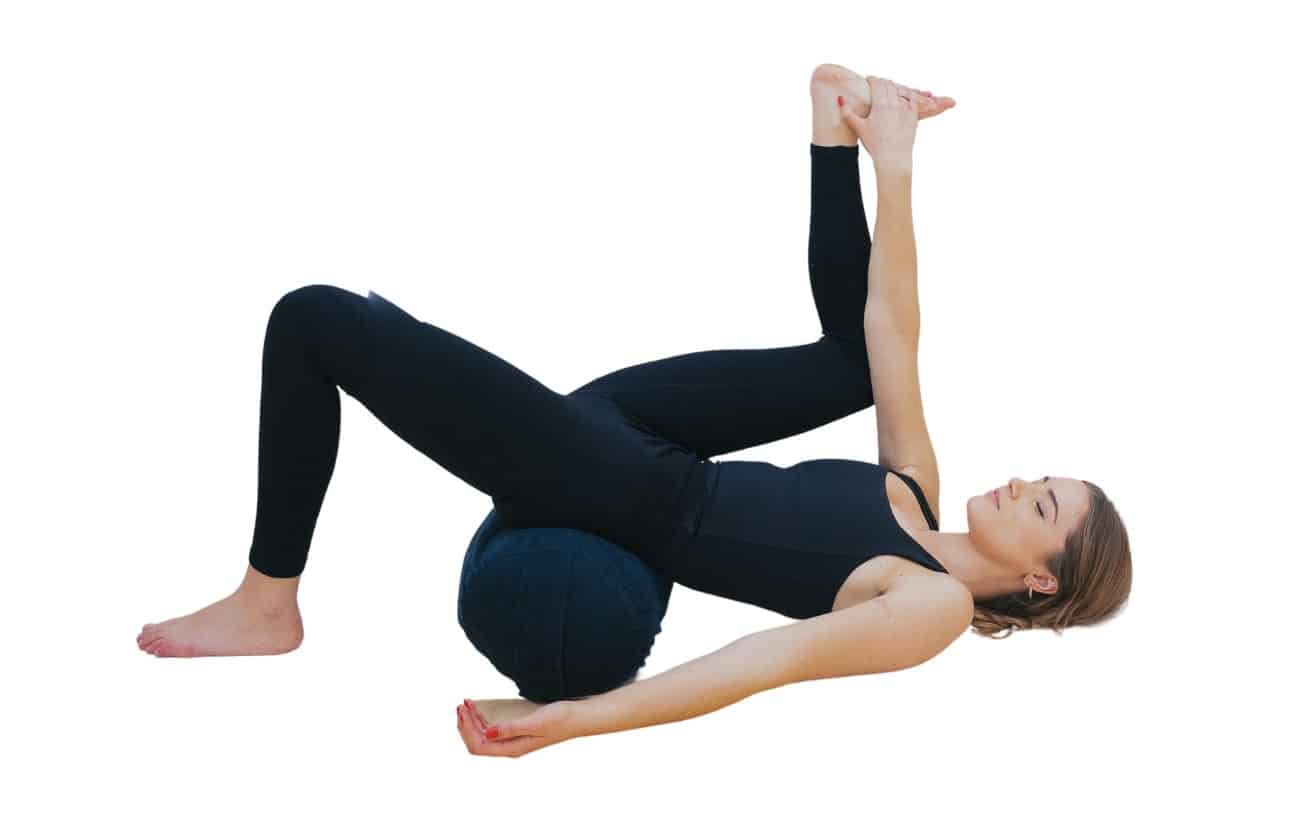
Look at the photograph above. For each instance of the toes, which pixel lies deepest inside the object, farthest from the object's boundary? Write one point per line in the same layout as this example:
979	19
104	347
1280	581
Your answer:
151	638
162	646
166	648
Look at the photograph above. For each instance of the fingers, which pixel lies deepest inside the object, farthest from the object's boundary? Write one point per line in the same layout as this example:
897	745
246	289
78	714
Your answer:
929	103
896	97
478	744
933	106
880	91
467	733
911	100
849	118
886	93
889	95
907	97
899	90
476	714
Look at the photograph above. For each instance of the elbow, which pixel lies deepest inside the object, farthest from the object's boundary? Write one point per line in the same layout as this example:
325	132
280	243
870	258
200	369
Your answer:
888	317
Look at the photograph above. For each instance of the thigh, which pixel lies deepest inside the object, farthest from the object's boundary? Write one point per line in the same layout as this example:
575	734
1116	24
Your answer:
474	413
723	400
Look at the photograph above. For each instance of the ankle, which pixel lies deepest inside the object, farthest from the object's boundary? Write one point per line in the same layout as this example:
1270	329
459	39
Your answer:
268	593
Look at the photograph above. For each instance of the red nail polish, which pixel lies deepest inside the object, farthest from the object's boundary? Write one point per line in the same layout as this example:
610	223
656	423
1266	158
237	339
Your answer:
839	100
492	733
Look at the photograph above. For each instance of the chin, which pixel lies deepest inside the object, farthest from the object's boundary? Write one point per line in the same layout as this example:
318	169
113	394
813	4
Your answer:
977	517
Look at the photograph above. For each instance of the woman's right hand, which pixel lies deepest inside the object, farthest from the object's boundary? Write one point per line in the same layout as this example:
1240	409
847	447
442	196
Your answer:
889	130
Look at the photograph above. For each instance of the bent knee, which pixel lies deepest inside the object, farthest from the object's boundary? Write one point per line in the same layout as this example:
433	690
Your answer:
306	300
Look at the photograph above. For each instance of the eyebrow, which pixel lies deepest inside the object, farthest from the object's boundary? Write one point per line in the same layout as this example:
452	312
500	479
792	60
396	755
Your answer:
1057	505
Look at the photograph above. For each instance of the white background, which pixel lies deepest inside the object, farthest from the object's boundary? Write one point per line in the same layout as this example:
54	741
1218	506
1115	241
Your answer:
1104	227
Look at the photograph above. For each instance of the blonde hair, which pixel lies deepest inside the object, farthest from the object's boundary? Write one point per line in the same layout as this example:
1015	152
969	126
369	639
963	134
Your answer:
1094	574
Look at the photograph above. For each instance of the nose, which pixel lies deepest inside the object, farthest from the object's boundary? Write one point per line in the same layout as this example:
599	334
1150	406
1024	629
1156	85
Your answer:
1015	486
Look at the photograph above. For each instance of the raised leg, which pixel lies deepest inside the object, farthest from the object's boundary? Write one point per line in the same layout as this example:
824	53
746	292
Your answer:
724	400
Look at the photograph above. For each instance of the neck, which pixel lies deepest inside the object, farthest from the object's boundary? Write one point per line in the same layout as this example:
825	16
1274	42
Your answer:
983	577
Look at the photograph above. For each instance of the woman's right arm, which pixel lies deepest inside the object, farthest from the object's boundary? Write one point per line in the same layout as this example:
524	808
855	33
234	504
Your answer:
892	329
891	272
892	316
888	133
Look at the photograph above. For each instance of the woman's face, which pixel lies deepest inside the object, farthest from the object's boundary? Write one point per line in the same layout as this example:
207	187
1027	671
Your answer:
1024	524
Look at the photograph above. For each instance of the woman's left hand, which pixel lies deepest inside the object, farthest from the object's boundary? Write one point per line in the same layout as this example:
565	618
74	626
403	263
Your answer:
546	725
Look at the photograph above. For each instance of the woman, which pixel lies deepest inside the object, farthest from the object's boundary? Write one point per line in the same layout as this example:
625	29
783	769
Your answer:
852	549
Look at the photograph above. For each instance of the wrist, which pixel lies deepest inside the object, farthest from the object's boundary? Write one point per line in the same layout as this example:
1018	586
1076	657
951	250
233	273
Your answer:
900	167
581	718
894	185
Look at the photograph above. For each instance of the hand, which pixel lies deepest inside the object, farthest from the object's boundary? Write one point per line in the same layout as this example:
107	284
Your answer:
521	733
889	130
928	104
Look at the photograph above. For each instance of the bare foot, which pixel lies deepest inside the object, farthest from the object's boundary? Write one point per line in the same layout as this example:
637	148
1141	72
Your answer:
829	81
243	623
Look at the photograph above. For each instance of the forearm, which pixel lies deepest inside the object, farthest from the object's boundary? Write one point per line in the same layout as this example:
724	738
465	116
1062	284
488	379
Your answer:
710	682
891	272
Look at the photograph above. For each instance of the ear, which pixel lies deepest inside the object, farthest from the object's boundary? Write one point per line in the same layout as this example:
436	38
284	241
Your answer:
1044	583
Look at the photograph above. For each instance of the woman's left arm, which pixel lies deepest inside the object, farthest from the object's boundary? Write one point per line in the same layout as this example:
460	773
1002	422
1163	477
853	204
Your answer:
750	664
916	617
746	666
909	623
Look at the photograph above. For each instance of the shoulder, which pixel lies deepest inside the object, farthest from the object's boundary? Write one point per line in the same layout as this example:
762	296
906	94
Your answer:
917	617
888	573
906	580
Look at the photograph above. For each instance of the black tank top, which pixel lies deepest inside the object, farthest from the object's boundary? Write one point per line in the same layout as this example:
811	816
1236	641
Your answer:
786	538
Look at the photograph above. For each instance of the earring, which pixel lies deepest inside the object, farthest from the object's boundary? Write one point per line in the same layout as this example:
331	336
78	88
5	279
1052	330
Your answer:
1031	592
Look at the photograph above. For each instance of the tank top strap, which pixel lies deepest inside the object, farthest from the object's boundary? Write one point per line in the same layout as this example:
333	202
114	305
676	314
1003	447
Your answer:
920	497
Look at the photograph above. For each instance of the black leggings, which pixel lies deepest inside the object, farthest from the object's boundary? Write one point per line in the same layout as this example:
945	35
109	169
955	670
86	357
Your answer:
613	457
